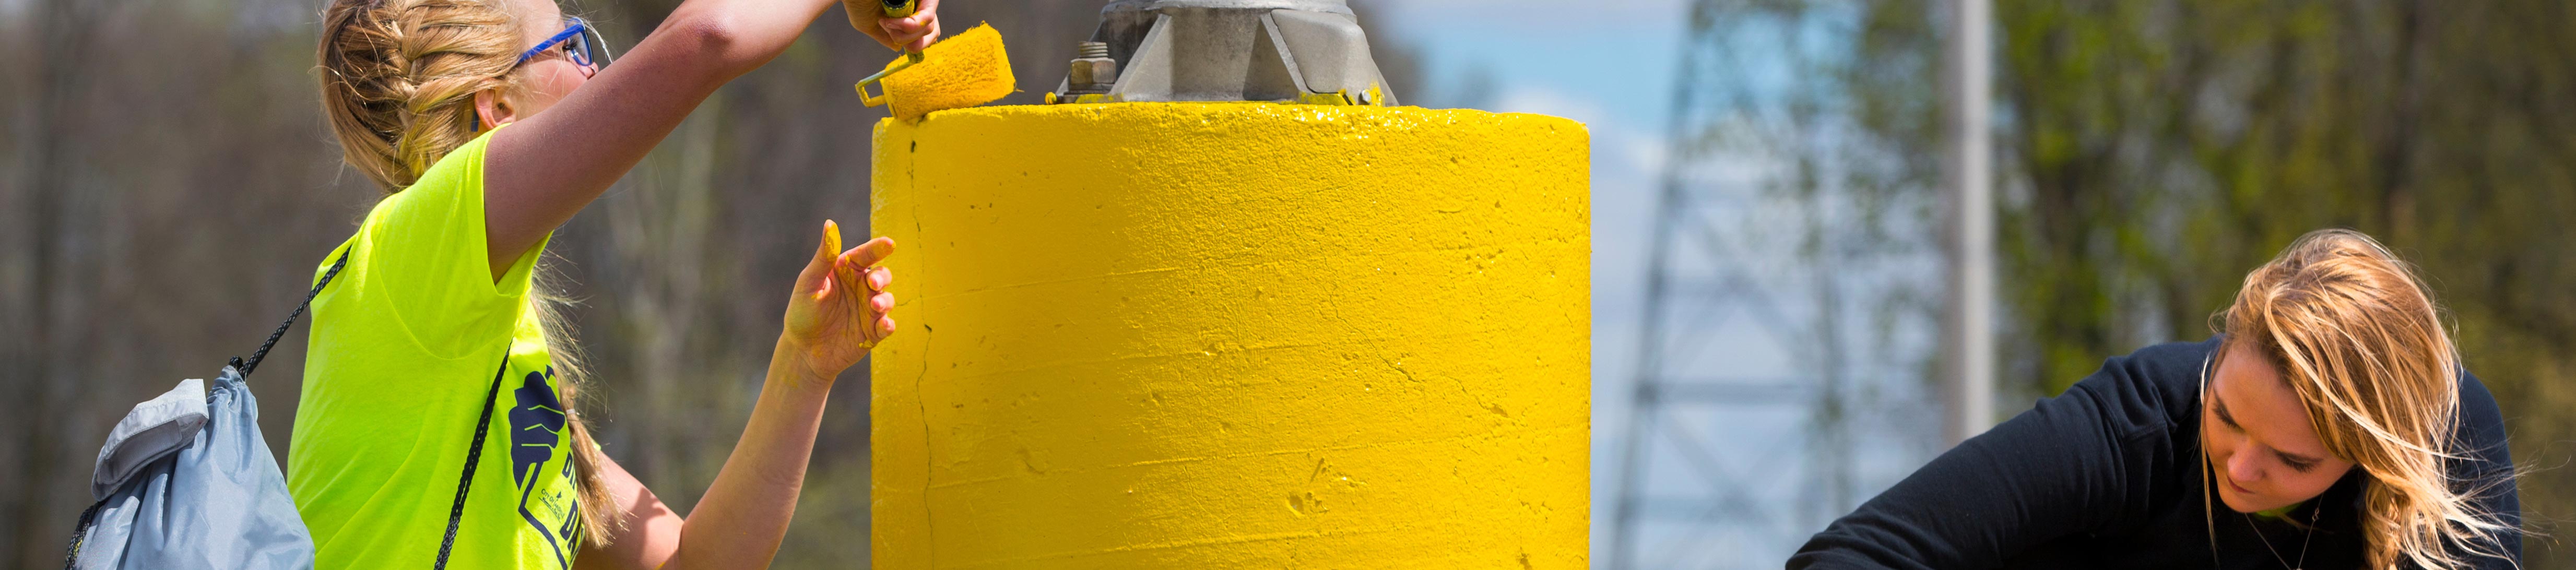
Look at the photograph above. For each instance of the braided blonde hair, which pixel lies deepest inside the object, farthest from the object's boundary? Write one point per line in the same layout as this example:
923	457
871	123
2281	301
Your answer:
2359	338
398	83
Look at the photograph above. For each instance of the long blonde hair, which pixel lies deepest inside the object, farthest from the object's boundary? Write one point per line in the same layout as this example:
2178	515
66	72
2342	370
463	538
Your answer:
2357	335
398	84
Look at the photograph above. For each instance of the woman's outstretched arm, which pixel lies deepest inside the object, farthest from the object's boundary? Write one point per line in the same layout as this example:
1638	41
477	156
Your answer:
836	314
545	168
2074	463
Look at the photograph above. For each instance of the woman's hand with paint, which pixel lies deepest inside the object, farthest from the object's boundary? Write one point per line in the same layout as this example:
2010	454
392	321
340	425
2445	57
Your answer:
838	310
908	33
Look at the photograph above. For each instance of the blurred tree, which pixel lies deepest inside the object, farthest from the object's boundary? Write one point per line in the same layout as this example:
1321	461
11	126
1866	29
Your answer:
2152	152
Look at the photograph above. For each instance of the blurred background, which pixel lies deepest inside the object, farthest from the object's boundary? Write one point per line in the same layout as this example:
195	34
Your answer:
1768	201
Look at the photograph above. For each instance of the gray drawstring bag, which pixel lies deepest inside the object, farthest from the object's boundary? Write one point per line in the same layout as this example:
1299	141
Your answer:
185	481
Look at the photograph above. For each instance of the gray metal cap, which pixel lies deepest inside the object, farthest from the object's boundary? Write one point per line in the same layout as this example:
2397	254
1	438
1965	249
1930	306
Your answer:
1303	51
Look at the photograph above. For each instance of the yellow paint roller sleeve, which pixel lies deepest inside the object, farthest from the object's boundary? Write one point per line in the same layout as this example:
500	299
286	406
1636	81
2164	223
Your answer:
965	70
1233	335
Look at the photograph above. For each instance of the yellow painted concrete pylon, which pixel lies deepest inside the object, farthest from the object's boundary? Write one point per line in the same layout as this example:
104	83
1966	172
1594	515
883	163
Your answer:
1233	335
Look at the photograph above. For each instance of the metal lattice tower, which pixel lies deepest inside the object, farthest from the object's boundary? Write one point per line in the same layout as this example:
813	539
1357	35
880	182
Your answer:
1755	392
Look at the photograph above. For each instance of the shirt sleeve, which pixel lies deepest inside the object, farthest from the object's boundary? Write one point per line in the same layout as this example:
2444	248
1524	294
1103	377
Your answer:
424	264
2075	463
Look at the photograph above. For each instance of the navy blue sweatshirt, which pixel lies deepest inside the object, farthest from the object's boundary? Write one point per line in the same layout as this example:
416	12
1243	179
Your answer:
2108	475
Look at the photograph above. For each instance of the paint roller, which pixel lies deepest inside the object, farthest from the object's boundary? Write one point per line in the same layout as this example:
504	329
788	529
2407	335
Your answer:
964	70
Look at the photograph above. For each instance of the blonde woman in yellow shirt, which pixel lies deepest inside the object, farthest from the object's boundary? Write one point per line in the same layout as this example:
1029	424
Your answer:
433	428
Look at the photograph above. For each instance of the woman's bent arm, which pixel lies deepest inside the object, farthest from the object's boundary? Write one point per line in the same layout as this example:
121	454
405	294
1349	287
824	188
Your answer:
836	314
744	515
740	521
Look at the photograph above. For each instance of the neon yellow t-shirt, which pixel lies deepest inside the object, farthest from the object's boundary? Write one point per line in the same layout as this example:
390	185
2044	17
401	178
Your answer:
406	342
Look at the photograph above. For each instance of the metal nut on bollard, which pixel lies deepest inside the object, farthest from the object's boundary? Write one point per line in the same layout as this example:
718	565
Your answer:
1092	70
1096	72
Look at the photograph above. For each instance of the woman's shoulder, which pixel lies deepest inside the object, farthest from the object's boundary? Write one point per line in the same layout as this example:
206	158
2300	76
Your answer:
2477	405
2479	427
418	265
2154	389
439	216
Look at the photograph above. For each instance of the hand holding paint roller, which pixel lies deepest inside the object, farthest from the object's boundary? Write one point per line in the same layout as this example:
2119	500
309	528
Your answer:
905	25
963	71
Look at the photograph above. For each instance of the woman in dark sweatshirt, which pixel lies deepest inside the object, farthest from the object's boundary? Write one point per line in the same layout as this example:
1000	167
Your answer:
2328	426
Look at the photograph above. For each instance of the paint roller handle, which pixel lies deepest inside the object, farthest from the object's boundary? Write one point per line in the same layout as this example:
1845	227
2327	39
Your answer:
909	58
909	25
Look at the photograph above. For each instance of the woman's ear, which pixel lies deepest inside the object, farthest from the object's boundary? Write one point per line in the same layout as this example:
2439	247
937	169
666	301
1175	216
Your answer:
492	109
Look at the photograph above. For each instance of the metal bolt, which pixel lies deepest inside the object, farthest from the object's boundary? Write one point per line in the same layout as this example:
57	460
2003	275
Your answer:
1092	70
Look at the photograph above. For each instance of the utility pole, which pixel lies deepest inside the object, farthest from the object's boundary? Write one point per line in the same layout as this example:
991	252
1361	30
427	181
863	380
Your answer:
1968	343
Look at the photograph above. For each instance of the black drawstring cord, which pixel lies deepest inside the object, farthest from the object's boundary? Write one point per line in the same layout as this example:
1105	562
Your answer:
245	367
81	534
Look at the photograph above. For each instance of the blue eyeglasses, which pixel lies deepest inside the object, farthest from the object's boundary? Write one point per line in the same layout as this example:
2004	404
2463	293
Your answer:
583	45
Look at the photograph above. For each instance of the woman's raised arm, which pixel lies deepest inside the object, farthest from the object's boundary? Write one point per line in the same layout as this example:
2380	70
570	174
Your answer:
545	168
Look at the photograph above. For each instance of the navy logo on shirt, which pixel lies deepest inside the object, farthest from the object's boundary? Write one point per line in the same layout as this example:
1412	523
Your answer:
536	428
